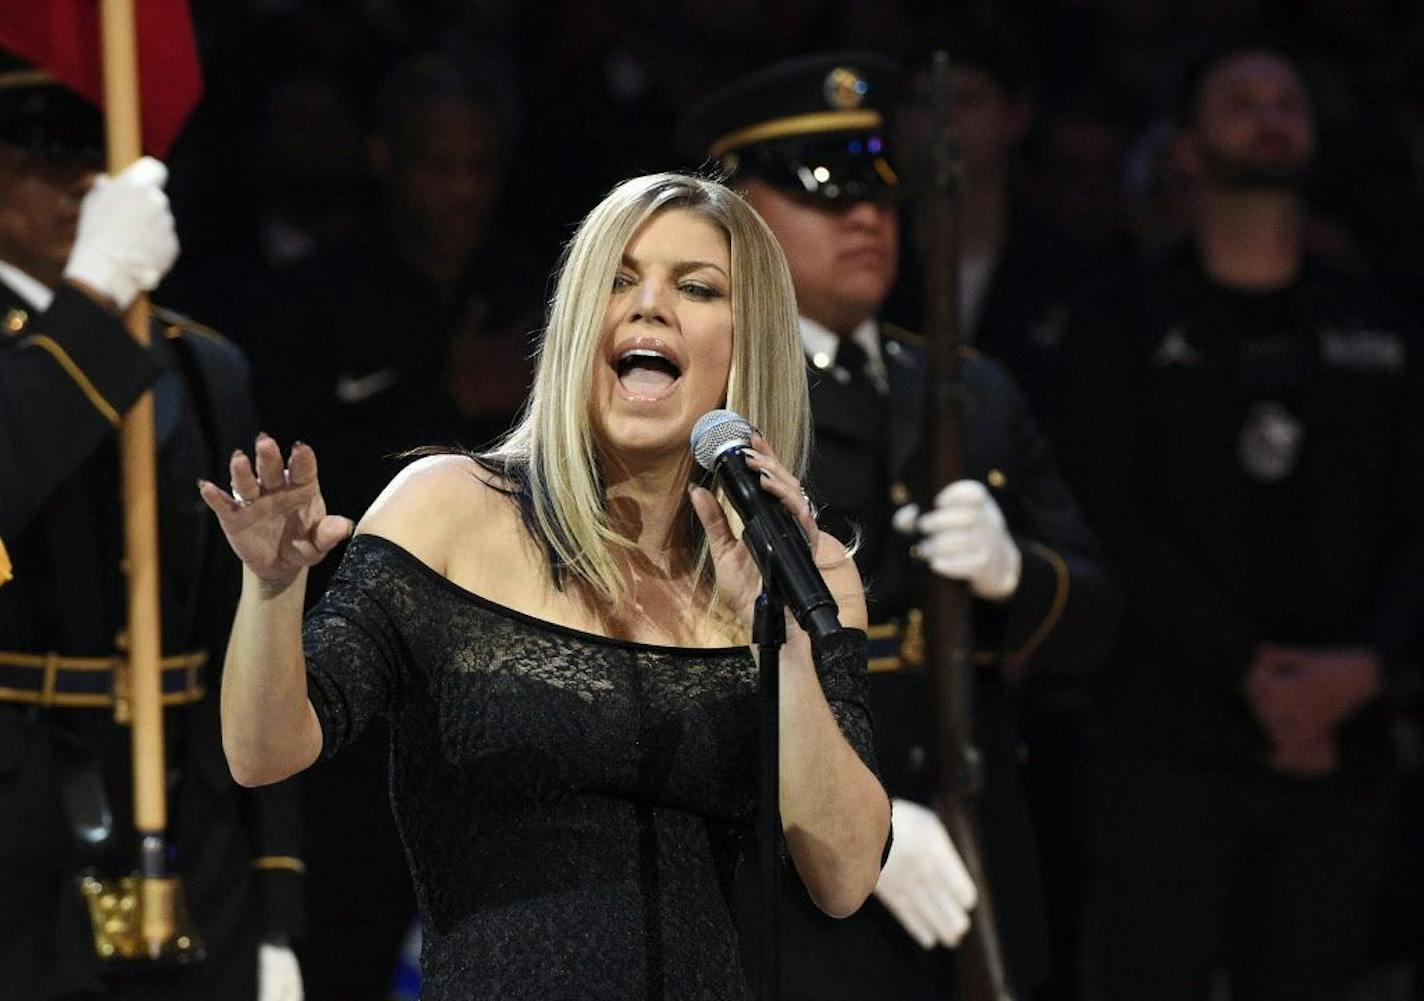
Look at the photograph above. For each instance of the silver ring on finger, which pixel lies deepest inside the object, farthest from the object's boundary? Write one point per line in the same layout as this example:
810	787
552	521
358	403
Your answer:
241	500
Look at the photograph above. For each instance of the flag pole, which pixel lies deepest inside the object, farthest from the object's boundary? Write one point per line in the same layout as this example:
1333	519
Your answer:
139	690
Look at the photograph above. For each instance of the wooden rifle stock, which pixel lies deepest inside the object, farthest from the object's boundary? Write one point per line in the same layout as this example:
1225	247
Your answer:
948	613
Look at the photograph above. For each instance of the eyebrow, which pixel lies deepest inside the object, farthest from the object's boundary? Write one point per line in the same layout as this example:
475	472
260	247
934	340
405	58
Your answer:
684	267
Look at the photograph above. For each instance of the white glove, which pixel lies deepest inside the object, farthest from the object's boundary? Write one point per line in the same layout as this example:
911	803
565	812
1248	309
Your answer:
924	882
966	539
126	241
279	978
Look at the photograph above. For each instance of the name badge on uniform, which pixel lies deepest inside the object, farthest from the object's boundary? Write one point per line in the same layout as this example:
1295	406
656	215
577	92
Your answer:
1362	350
1270	443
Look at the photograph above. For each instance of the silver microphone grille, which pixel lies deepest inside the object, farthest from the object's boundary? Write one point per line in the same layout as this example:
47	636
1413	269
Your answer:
715	432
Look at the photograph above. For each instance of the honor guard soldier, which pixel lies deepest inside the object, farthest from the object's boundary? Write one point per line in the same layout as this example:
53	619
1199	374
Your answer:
805	142
76	248
1253	454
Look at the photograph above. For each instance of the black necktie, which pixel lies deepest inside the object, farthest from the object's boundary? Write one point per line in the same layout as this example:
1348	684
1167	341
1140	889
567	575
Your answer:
852	359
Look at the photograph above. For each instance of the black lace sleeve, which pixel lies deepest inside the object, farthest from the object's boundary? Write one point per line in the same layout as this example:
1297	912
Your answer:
354	653
840	661
841	666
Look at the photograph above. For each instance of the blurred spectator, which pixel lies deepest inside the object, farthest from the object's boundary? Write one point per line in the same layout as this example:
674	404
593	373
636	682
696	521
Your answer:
1251	452
1078	172
1020	278
307	187
413	331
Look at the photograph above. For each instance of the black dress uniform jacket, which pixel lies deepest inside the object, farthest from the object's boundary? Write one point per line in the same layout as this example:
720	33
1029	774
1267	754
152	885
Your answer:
1061	619
66	376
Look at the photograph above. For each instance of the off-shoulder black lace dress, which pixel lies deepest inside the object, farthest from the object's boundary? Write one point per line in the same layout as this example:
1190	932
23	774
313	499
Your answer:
572	806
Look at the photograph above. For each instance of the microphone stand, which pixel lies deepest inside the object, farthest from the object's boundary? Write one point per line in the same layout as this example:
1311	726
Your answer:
769	633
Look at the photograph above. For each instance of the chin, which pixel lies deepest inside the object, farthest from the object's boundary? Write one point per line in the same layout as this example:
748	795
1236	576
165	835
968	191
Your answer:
646	435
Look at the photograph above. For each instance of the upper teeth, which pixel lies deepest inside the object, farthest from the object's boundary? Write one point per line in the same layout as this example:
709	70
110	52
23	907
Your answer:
643	353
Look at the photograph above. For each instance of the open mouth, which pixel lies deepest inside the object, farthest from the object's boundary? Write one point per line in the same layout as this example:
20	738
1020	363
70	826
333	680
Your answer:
646	373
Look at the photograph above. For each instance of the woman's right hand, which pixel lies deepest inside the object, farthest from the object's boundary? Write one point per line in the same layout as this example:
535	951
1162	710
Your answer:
275	518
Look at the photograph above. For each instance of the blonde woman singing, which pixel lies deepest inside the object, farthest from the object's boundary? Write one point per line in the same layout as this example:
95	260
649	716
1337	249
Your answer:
557	632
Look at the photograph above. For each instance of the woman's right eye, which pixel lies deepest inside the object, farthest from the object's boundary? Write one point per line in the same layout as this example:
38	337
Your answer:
622	281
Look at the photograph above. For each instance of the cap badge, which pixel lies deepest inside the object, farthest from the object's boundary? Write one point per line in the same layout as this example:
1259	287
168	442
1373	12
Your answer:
845	88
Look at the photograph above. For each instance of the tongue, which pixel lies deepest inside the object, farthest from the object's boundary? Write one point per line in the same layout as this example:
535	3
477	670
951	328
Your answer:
646	379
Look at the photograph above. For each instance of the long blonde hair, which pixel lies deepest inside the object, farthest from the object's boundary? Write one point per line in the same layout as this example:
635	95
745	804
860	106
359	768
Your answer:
550	456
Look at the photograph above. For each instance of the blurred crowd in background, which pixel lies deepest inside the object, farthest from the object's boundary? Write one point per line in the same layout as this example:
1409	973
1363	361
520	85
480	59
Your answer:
372	195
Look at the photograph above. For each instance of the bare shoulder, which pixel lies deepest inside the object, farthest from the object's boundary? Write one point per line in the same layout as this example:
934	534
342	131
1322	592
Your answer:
429	506
842	577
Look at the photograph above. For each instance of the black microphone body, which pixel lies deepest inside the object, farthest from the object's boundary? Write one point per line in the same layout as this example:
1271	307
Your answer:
772	535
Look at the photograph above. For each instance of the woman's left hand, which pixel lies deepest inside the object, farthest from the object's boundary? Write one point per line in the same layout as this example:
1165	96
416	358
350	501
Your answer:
738	576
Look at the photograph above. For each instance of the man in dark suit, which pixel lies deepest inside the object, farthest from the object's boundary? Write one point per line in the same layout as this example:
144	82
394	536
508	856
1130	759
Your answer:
1254	458
805	142
74	253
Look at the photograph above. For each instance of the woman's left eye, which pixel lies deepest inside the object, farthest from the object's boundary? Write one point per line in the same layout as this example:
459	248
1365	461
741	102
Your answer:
699	291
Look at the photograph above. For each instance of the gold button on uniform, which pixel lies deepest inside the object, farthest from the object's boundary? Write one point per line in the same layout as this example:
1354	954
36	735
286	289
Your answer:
997	479
14	322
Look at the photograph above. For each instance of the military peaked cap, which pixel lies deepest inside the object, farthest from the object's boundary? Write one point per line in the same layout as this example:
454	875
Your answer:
46	118
814	126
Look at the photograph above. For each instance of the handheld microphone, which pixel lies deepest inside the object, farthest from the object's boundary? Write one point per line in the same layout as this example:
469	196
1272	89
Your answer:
719	439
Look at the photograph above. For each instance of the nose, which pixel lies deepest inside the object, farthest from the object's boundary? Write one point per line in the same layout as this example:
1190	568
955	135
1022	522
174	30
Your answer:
865	214
650	303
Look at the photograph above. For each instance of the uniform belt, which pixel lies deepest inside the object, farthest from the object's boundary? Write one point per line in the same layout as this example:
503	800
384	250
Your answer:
900	645
49	679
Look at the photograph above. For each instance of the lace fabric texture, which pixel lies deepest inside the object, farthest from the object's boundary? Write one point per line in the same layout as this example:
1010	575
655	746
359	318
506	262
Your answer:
573	807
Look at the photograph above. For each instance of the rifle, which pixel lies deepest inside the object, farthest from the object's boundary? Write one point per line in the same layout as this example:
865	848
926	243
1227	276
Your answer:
958	776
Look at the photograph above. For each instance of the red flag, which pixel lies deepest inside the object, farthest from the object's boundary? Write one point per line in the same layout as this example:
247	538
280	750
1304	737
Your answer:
62	38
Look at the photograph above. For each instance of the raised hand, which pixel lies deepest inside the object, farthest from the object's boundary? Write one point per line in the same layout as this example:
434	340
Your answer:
738	577
275	518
